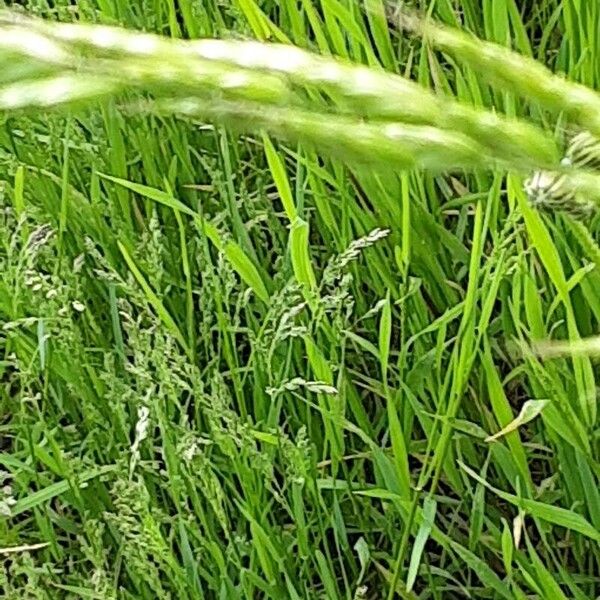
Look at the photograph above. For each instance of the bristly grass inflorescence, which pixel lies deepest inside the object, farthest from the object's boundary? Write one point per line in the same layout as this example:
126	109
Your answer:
553	191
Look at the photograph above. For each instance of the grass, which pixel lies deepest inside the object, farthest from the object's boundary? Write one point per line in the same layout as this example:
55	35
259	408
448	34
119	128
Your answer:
298	336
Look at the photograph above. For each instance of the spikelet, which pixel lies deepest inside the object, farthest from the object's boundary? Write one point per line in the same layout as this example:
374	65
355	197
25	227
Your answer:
550	191
583	152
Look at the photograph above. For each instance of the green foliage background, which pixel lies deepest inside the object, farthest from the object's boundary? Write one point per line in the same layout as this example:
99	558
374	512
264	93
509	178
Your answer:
236	367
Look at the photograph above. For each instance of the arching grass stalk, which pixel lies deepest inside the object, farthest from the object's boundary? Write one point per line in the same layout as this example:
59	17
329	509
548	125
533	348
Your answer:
509	70
64	88
398	144
268	73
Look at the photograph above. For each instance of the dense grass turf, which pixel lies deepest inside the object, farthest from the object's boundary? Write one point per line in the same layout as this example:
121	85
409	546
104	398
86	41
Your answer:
237	368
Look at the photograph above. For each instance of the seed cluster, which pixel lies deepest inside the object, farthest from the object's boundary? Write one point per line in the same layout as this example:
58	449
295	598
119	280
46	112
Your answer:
557	190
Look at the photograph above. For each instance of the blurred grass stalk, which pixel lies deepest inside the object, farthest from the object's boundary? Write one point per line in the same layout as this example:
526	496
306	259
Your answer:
401	144
509	70
237	80
380	118
555	348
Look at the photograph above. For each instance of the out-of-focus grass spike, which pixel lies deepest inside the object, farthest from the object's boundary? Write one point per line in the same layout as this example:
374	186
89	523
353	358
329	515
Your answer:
576	193
551	191
512	140
583	152
572	191
22	41
513	71
53	91
399	144
233	66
